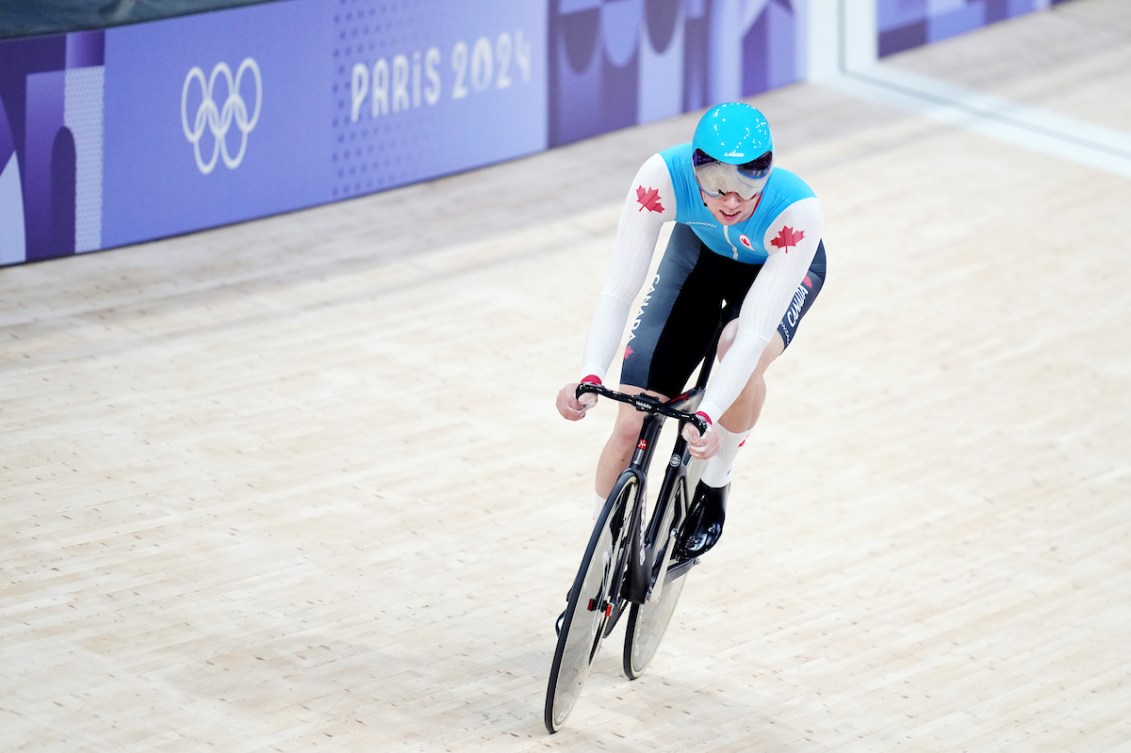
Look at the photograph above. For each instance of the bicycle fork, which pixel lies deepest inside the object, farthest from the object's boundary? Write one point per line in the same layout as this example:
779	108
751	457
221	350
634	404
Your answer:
639	573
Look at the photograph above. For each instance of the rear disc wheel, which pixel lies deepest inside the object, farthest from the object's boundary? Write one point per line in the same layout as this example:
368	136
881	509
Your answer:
648	622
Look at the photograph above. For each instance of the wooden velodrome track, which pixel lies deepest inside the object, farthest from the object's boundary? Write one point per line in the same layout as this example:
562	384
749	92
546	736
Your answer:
299	485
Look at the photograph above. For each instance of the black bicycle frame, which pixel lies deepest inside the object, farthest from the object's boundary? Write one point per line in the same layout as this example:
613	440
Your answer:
643	569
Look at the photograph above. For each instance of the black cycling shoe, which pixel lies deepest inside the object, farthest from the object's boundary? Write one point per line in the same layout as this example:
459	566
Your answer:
704	524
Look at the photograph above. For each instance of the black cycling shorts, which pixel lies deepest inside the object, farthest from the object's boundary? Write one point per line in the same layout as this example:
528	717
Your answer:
680	313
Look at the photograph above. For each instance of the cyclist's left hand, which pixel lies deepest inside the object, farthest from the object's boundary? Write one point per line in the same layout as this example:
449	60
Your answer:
701	446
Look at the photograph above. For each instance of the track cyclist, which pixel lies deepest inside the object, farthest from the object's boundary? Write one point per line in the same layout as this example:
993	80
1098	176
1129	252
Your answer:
747	242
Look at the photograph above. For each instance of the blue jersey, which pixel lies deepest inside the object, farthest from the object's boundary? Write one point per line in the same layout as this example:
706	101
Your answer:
746	240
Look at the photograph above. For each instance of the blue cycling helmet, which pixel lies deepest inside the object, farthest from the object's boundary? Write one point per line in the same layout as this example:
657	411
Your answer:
732	150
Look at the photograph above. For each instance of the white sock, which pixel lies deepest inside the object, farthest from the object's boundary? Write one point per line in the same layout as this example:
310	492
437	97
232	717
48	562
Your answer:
598	503
717	471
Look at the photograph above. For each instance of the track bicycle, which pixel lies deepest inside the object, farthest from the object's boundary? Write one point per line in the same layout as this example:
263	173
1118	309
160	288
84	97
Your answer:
631	562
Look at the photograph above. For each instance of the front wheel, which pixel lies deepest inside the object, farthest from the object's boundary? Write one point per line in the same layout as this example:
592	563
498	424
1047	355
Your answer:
592	599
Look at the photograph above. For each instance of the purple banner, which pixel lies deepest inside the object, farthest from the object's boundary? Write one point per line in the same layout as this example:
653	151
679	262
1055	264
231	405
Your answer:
50	146
138	132
144	131
338	100
207	124
618	63
424	89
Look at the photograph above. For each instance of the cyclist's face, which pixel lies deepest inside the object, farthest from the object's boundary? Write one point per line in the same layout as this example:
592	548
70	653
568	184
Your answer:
730	208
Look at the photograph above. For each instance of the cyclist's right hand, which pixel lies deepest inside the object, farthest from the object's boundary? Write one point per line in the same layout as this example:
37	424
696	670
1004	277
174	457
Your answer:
568	404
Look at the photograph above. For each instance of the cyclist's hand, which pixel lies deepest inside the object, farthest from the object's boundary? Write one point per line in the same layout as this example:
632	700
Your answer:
569	406
701	446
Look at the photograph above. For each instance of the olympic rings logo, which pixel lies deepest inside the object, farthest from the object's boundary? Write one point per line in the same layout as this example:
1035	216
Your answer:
217	119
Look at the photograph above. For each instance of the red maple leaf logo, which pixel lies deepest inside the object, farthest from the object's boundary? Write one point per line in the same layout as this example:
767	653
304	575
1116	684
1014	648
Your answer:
745	241
628	351
787	239
649	198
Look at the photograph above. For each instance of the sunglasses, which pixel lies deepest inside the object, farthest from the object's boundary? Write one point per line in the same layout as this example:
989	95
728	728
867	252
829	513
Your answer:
719	178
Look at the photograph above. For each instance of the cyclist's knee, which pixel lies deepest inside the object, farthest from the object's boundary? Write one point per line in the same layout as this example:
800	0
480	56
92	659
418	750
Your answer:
774	348
626	427
744	411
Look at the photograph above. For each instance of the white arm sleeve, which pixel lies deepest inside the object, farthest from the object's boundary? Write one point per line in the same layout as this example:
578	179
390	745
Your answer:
767	301
641	218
